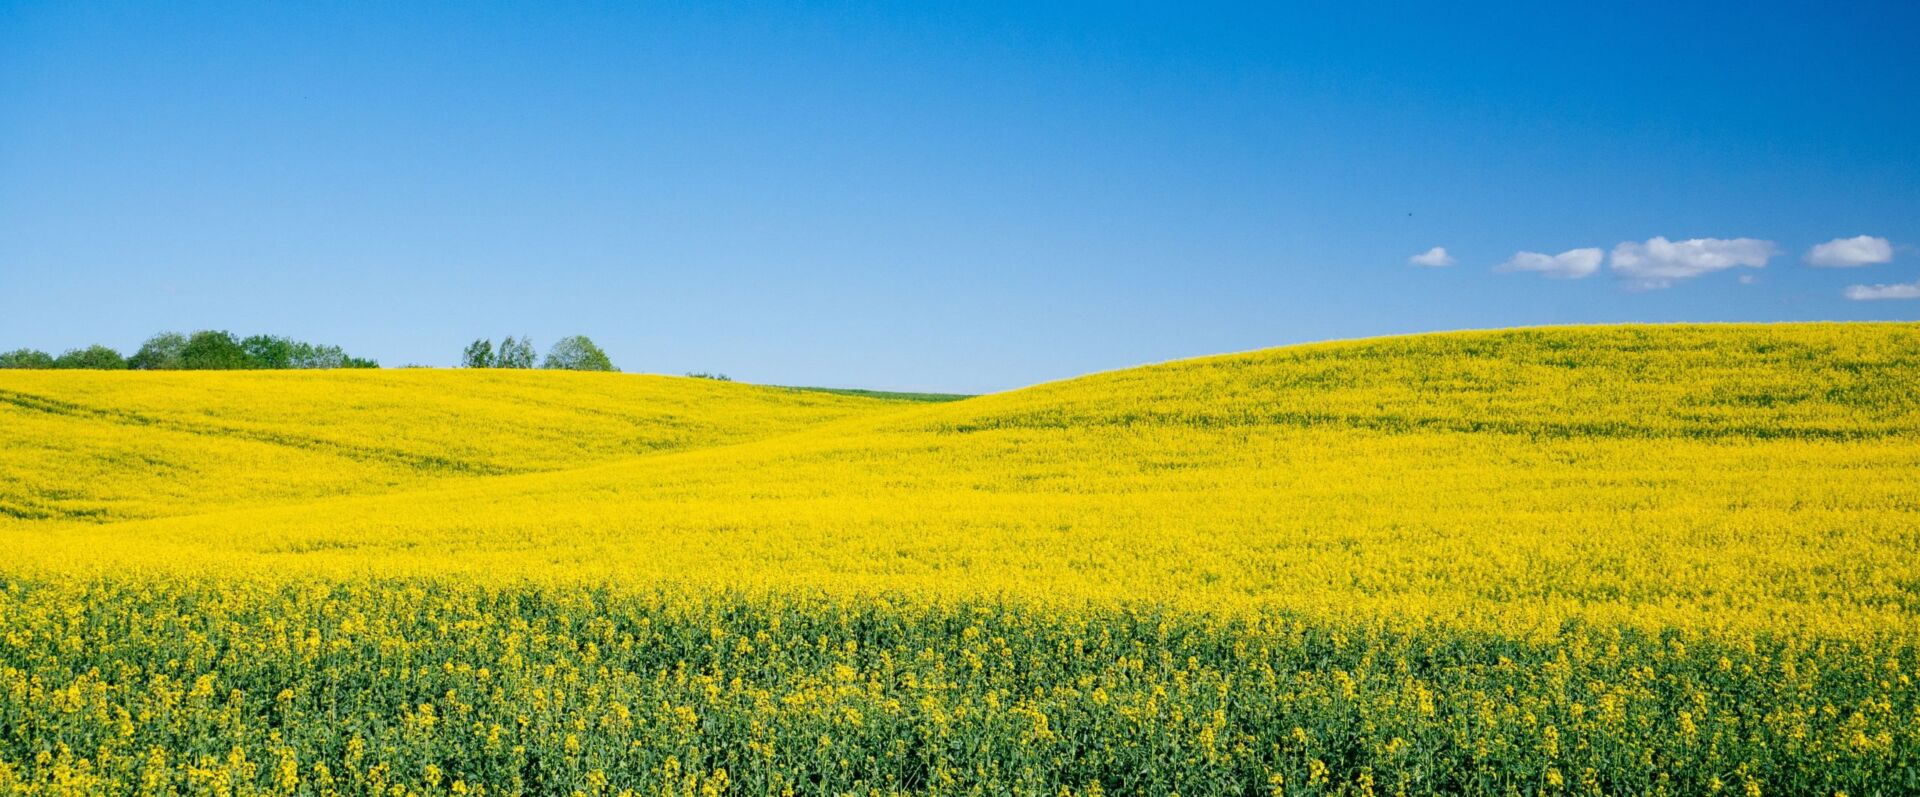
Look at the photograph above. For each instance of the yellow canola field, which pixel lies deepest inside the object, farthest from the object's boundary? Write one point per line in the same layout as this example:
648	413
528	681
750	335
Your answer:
1636	559
109	446
1715	476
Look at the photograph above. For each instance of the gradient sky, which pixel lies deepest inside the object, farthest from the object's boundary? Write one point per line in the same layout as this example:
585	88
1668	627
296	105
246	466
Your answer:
963	197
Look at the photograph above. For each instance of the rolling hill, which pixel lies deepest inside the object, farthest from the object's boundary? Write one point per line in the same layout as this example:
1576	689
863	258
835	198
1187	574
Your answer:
109	446
1666	474
1644	559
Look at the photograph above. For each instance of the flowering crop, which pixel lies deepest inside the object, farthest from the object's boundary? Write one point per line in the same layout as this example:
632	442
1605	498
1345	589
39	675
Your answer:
95	446
1588	560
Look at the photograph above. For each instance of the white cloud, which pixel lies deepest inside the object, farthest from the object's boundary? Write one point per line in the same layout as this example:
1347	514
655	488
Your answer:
1860	250
1658	262
1902	290
1436	257
1571	264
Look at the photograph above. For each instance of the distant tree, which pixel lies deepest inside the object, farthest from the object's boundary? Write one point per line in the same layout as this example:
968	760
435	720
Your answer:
96	357
26	358
217	350
577	353
304	355
209	350
479	354
329	357
515	354
714	377
271	351
160	352
307	355
301	354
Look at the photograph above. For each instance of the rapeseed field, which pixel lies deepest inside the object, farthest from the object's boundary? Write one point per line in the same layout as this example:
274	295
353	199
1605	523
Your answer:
98	447
1609	560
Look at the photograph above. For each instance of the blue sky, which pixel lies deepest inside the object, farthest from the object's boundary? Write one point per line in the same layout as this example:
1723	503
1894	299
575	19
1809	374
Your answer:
963	197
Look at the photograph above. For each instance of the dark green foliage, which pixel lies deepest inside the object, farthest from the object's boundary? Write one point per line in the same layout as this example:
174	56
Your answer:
160	353
220	350
705	375
515	353
577	353
214	350
269	351
95	357
26	358
479	354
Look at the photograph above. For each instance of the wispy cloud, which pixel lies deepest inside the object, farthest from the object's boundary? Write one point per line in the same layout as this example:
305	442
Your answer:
1899	290
1571	264
1860	250
1658	262
1436	257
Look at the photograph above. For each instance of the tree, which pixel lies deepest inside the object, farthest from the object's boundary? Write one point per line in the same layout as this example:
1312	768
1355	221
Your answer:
515	354
479	354
160	352
307	355
271	351
714	377
577	353
95	357
214	350
304	355
26	358
205	350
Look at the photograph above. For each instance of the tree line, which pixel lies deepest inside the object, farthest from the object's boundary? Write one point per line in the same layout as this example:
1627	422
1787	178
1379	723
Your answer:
219	350
571	353
205	350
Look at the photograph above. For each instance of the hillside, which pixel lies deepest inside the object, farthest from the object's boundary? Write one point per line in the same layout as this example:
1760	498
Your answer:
1641	560
109	446
1670	474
